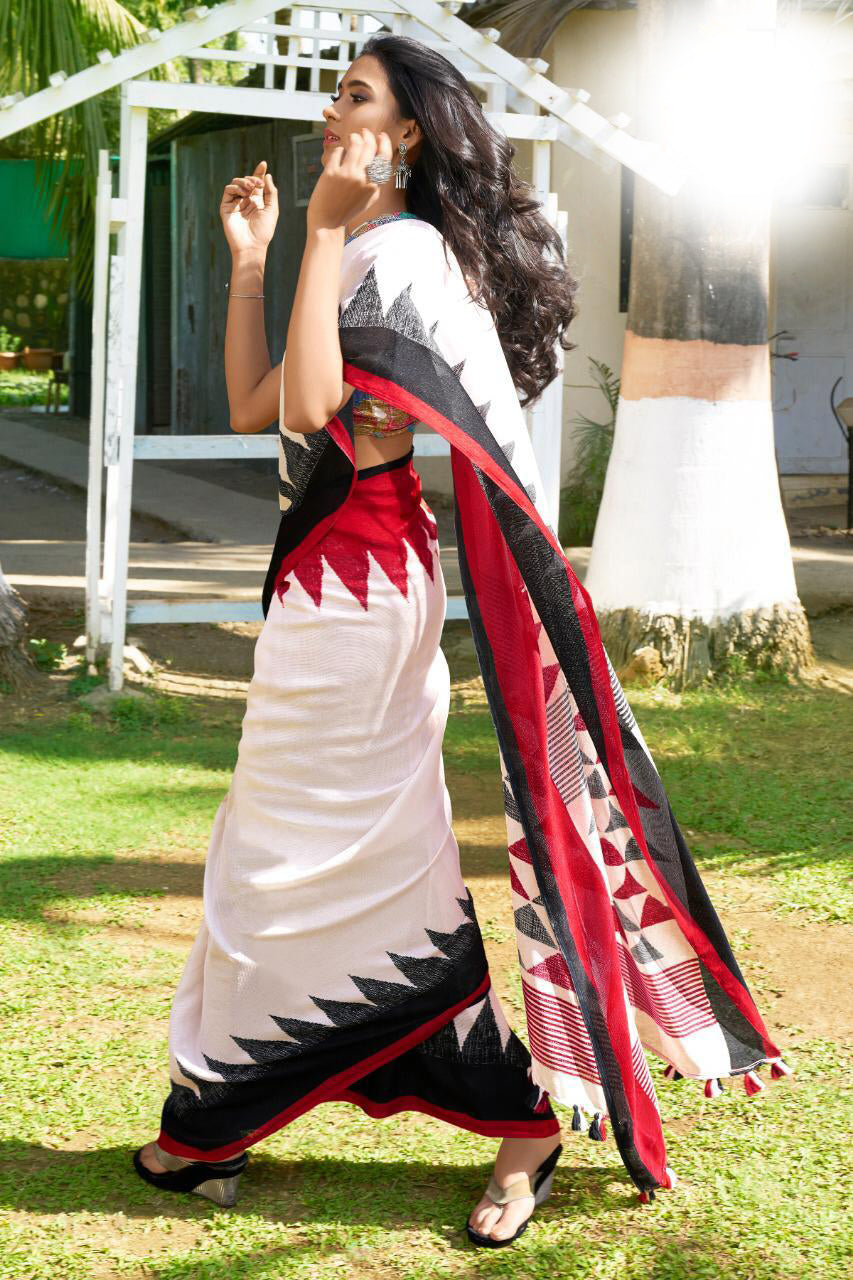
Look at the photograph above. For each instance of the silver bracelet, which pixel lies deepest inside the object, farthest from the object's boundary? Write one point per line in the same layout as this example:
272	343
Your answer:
240	295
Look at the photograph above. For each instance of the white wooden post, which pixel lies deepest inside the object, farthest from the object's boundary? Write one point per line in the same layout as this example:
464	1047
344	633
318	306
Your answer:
133	151
96	416
545	416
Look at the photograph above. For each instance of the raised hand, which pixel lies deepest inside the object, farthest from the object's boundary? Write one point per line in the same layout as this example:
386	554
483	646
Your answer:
249	210
343	190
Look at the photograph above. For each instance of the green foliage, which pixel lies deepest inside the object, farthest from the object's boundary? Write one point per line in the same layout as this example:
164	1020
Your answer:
150	712
9	341
39	37
580	497
47	654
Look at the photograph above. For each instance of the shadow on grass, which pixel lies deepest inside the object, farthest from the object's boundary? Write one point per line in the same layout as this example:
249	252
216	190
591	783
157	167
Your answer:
346	1196
29	885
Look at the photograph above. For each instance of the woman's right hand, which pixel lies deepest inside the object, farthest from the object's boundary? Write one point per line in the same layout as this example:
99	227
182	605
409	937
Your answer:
249	211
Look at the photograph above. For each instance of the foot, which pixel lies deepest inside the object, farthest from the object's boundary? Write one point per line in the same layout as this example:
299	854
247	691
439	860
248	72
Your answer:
148	1158
515	1157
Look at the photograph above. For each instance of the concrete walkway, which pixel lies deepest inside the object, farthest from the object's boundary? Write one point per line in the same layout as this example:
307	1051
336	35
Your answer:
229	535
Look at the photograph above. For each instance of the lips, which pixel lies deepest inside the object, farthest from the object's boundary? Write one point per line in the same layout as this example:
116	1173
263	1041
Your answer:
328	136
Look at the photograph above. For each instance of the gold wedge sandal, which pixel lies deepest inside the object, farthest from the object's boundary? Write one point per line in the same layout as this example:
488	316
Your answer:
215	1181
539	1187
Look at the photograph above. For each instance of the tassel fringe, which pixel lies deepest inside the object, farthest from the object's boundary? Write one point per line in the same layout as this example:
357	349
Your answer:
669	1181
752	1081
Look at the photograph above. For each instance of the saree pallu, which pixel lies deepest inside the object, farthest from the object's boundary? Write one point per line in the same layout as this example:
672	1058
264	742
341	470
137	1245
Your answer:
339	957
620	948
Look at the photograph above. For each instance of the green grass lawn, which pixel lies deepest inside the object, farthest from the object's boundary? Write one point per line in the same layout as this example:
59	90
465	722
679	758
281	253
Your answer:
104	830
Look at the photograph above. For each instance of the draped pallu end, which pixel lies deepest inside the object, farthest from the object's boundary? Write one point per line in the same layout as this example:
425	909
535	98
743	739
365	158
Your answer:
621	950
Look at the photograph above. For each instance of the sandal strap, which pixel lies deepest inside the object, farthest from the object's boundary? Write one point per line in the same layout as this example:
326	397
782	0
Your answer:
515	1191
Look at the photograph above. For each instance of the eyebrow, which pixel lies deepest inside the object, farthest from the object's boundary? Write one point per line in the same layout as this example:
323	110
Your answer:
363	84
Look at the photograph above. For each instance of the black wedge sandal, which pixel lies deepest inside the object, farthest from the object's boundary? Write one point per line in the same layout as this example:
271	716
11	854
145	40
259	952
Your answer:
215	1181
539	1187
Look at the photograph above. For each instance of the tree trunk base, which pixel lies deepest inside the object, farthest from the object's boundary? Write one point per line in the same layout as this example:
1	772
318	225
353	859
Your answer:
16	666
688	651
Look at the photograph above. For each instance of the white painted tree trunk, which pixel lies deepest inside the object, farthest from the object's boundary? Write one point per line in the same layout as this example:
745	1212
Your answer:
691	553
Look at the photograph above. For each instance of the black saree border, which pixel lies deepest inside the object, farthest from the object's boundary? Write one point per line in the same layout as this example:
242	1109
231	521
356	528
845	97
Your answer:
324	1091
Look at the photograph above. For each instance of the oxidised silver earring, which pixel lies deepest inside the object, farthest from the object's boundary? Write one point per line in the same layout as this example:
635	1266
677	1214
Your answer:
403	169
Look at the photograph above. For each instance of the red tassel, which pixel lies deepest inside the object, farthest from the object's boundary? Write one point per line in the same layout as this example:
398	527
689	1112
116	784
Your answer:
778	1069
713	1088
602	1124
669	1072
753	1083
542	1104
646	1197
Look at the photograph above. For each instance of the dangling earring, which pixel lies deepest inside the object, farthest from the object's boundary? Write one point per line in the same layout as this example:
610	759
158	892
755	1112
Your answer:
403	170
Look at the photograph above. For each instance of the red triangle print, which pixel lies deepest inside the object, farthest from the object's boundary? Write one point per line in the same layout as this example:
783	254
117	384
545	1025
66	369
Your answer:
516	884
348	553
580	723
418	534
519	850
549	675
643	801
629	887
309	571
612	856
553	970
654	912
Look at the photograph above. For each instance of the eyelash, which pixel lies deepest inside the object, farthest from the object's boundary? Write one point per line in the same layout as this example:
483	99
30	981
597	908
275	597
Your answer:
355	97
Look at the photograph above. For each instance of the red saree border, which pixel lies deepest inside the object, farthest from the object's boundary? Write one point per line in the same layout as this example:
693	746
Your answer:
486	1128
324	1091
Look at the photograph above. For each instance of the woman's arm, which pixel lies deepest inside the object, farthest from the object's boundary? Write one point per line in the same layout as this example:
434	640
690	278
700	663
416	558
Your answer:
253	384
314	389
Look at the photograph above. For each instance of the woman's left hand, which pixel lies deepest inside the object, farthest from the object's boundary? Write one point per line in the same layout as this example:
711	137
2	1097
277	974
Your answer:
343	190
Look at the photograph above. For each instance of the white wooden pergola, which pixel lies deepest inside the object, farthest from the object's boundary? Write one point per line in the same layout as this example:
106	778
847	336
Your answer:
519	100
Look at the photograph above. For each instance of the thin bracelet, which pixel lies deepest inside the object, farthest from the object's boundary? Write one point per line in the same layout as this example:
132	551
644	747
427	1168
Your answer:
240	295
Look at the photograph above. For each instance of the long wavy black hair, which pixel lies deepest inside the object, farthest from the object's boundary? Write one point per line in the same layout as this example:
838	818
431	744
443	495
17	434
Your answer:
463	182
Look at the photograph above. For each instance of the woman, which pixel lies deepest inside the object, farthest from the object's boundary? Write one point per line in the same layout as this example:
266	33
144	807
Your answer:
340	956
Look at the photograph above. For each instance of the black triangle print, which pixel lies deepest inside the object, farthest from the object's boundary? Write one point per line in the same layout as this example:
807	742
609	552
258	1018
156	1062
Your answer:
596	787
509	449
528	923
457	368
345	1013
299	1029
586	758
617	822
422	971
365	306
643	951
260	1051
454	945
299	461
628	925
510	807
530	490
633	852
467	905
382	993
483	409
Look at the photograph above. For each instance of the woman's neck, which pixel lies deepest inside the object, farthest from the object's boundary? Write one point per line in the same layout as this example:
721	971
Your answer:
379	210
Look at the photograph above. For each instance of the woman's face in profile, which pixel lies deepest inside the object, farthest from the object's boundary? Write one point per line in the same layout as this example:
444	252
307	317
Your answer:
363	101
